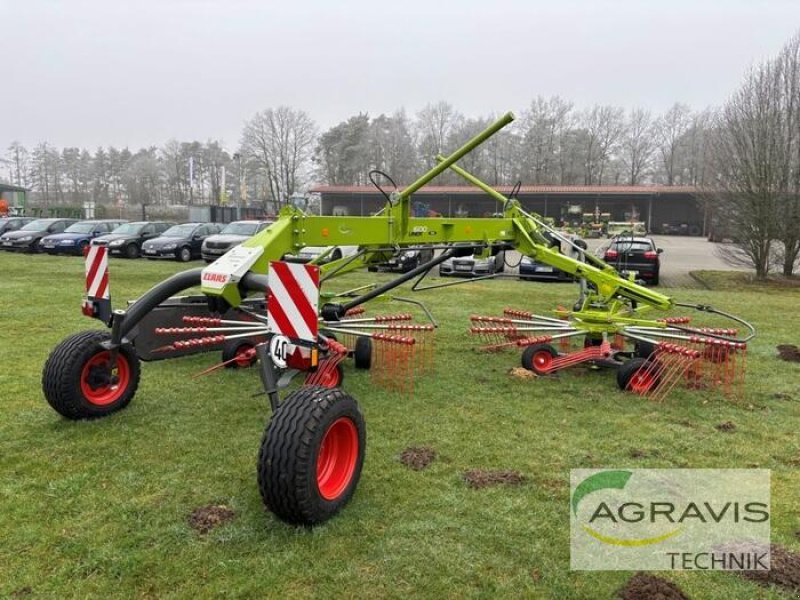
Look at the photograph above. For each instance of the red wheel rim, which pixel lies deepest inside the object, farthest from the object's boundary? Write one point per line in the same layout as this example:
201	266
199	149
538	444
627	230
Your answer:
329	378
244	356
99	384
641	381
542	360
337	457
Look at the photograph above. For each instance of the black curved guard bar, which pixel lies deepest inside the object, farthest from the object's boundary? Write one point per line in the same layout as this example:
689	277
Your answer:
165	290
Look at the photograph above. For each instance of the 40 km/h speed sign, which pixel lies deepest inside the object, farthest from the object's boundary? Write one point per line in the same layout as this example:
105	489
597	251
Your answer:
279	350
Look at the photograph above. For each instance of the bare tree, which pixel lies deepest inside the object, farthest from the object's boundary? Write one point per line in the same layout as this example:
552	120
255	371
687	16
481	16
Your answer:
281	142
18	161
638	145
671	128
604	127
748	148
543	123
787	71
433	127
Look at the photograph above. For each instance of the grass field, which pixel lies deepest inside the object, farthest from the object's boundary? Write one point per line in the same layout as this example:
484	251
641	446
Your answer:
100	509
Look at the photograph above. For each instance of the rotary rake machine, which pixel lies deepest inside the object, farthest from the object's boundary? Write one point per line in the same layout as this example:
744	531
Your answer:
263	311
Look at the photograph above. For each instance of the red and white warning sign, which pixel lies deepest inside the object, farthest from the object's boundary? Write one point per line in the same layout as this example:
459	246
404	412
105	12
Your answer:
293	299
97	273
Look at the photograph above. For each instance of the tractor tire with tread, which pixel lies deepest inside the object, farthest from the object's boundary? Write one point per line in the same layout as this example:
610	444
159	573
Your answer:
77	383
311	455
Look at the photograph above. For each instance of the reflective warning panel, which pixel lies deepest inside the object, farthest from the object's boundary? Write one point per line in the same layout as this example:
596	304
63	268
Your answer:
293	299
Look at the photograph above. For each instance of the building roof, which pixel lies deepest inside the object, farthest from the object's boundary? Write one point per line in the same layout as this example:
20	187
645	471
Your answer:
7	187
525	189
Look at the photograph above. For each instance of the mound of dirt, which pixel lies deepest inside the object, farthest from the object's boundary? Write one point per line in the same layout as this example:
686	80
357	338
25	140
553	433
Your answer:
726	427
788	352
644	586
481	478
418	457
784	570
521	373
206	518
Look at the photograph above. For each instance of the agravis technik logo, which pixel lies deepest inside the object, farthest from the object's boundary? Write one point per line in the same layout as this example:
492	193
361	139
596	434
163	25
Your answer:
670	519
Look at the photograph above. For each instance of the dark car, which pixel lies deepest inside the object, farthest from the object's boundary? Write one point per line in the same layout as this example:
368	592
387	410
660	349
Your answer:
404	260
639	254
231	235
532	270
126	240
180	242
75	238
10	224
26	238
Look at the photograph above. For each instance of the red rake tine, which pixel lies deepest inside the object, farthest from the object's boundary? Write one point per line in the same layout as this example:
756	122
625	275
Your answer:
249	353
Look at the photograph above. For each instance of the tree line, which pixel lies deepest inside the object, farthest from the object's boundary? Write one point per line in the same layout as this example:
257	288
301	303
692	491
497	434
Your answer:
281	152
755	158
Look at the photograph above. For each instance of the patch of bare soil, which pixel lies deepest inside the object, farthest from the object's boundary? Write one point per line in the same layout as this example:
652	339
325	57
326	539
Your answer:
521	373
784	570
22	592
726	427
418	457
206	518
481	478
644	586
788	352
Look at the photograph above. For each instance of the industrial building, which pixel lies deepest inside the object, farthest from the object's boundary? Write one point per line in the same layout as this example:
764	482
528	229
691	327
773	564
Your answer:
663	209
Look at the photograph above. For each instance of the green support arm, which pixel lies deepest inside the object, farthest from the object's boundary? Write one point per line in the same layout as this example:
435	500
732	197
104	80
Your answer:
395	228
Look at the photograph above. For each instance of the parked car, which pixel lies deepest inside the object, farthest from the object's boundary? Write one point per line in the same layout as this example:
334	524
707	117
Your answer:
313	253
404	260
639	254
471	266
180	242
26	238
533	270
127	239
9	224
231	235
77	236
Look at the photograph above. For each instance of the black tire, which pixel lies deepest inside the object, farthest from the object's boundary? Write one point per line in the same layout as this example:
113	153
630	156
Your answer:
232	349
630	373
590	341
77	382
581	244
500	261
131	251
184	254
362	353
643	349
534	357
336	255
82	247
654	281
292	447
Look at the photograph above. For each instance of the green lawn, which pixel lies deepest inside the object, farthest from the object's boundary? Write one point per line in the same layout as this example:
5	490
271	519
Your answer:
100	509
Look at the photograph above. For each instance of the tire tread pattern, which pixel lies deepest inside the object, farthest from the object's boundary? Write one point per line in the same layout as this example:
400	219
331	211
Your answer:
287	457
62	372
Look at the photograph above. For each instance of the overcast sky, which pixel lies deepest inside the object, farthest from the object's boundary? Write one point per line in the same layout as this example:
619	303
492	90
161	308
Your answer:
137	73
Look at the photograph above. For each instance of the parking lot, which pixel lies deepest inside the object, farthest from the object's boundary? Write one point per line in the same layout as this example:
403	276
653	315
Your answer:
681	255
